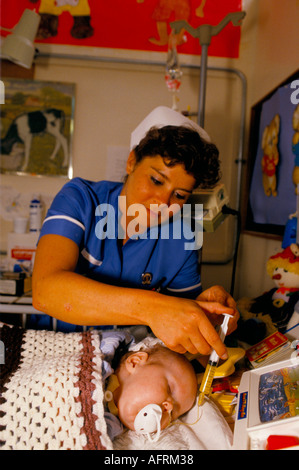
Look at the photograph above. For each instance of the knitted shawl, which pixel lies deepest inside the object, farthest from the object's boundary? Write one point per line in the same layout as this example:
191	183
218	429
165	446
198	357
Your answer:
51	392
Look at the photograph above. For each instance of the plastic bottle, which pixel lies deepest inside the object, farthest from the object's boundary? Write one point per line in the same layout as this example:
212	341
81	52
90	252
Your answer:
35	214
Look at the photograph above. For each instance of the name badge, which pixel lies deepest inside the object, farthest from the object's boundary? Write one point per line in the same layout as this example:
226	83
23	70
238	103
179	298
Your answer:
146	278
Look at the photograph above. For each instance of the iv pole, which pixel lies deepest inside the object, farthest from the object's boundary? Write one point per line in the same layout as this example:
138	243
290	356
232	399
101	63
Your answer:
204	33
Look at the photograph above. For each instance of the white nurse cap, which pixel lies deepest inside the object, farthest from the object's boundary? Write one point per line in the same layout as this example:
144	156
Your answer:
163	116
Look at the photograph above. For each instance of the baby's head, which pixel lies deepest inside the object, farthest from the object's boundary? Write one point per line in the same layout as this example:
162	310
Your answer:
155	376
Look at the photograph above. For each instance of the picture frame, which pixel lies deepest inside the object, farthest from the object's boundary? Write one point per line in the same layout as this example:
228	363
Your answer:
37	122
267	214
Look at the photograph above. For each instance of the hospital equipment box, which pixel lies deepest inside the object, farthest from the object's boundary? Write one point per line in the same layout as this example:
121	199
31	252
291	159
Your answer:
268	406
21	247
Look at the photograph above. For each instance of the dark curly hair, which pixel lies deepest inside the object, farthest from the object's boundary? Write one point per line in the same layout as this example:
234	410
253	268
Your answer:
181	144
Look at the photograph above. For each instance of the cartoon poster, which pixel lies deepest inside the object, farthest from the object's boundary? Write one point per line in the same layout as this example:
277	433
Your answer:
273	190
140	25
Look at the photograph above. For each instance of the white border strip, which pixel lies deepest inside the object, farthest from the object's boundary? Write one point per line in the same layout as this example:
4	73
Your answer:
185	289
90	258
65	217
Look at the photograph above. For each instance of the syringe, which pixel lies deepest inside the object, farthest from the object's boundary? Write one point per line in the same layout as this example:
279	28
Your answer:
206	383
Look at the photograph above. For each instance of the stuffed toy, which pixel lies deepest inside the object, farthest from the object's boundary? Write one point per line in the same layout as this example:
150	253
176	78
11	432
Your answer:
276	309
270	159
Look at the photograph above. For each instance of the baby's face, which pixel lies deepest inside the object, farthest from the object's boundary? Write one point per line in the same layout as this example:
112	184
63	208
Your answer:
169	381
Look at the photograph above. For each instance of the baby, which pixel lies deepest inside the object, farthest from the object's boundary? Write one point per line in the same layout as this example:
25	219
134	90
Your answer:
153	376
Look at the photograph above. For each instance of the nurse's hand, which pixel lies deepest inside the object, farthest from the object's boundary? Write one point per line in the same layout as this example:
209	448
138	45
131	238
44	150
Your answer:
218	294
186	325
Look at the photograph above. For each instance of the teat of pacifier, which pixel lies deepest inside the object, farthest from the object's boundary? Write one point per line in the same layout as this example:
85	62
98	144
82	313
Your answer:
148	420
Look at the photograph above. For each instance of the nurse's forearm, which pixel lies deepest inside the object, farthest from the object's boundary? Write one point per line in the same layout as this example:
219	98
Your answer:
179	323
75	299
60	292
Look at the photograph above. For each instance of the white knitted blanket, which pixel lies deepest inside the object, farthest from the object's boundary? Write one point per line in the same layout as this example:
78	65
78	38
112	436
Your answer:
51	397
51	393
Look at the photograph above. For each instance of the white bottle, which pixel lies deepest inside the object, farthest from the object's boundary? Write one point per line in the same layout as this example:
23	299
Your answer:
35	214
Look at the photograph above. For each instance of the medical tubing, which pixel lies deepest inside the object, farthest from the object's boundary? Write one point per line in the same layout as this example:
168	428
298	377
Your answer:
228	210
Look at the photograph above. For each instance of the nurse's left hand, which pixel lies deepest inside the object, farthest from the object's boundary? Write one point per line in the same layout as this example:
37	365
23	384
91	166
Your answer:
218	295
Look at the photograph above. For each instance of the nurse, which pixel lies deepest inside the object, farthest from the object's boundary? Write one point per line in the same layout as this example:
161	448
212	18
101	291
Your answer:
119	253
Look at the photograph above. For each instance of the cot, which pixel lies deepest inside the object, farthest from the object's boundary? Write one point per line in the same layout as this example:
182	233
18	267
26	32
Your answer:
52	399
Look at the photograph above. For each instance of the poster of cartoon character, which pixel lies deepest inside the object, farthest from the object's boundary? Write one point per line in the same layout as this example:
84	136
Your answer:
139	25
275	174
50	12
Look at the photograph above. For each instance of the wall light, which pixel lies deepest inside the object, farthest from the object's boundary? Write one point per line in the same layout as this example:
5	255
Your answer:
18	47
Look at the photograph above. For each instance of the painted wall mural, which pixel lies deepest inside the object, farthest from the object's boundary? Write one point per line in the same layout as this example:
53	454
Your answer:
140	25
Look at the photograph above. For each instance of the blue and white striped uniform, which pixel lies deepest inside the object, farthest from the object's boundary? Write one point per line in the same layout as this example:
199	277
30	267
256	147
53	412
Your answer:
78	213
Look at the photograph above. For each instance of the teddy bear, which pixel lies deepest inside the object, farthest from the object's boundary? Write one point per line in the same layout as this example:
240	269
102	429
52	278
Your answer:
50	10
295	148
270	158
276	309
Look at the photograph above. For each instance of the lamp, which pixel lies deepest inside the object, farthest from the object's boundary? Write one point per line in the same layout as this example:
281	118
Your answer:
18	46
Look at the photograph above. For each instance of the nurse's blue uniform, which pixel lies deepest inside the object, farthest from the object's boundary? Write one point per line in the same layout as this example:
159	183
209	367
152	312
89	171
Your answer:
87	212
